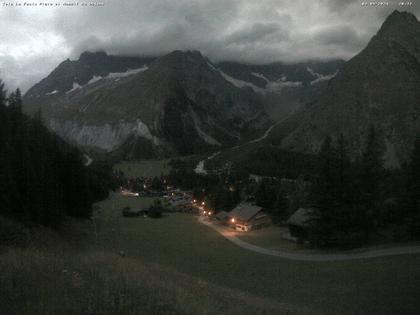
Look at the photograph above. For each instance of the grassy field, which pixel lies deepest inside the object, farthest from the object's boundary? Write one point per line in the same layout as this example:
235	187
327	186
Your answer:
175	265
383	286
145	168
271	238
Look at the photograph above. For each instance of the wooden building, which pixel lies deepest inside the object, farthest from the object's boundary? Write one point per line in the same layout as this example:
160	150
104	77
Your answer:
246	217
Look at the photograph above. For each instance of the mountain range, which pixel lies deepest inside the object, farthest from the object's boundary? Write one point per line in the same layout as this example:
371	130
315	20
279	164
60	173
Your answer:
180	103
183	103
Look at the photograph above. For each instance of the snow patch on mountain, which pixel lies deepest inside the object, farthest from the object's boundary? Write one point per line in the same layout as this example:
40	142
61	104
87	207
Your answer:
320	77
278	85
241	84
261	76
95	78
112	75
52	92
129	72
324	78
76	86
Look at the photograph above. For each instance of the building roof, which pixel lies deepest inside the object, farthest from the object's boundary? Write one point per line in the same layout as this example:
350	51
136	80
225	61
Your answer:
301	217
245	211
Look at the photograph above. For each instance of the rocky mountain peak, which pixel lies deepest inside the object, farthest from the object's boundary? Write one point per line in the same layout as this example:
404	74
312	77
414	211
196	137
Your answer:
184	54
88	56
182	60
401	28
399	19
187	69
378	87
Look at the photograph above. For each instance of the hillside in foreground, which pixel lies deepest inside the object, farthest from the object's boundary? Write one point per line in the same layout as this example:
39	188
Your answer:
176	265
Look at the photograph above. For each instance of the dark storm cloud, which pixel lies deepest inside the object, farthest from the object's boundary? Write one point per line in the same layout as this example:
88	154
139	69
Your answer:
340	5
34	40
339	35
258	32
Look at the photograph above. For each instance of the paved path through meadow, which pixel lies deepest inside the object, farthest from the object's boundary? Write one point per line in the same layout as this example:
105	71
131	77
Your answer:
348	255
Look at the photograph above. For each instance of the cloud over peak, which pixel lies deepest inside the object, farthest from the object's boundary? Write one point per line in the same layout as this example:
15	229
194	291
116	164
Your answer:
34	40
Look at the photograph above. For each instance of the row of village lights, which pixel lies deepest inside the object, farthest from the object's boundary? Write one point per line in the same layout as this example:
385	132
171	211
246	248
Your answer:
209	212
203	204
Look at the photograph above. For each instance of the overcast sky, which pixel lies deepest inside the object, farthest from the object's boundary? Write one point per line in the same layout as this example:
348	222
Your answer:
33	40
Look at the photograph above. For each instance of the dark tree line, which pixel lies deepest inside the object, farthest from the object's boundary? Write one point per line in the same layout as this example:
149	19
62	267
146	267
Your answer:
349	197
278	163
42	179
411	195
271	196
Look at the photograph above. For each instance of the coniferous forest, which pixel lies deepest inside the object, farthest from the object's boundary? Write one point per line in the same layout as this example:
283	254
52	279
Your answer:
350	198
42	178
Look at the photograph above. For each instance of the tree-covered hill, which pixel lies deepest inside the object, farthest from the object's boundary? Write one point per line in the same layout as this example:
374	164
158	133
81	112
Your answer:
42	178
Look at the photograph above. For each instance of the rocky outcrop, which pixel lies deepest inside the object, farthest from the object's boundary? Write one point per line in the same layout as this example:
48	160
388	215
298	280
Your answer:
106	137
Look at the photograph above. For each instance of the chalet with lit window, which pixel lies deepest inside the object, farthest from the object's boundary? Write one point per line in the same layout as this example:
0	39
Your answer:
247	217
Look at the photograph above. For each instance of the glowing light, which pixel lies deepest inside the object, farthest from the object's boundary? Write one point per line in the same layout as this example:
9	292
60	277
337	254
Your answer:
233	220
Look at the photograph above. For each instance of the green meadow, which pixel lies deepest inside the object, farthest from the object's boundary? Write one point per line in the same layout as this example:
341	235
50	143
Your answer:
175	265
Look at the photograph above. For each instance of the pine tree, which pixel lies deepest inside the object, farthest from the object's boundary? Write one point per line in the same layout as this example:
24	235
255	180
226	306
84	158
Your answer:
412	195
265	195
371	177
2	93
322	196
15	100
337	218
413	186
281	207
